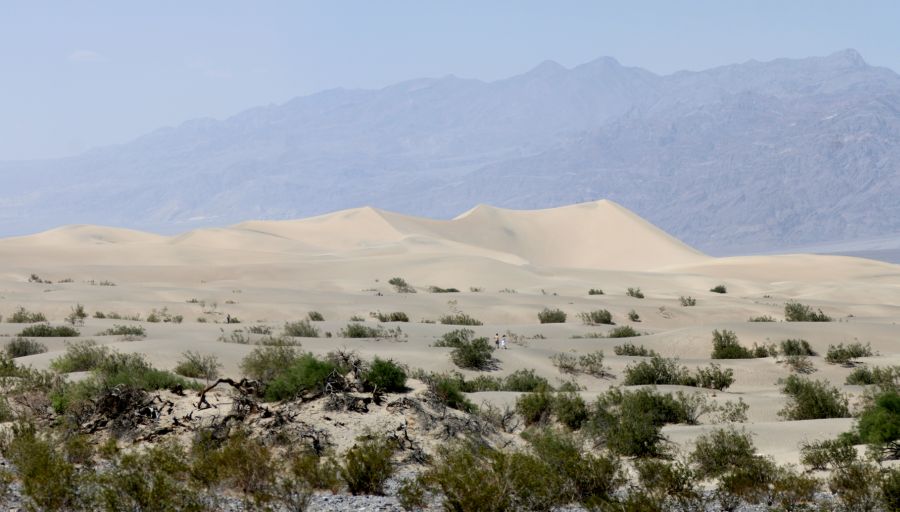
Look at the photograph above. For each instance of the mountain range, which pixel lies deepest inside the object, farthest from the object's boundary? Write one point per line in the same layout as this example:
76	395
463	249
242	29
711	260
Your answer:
756	156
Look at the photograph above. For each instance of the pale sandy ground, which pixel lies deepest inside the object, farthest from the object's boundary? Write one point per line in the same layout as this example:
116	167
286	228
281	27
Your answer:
339	264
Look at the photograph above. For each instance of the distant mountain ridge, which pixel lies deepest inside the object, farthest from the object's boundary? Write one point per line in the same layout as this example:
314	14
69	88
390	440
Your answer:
758	155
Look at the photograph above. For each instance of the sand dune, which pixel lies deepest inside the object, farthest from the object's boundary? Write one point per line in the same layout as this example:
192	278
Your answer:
508	266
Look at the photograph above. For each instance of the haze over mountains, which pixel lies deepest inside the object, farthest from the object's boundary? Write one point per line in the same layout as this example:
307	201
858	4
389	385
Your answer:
752	156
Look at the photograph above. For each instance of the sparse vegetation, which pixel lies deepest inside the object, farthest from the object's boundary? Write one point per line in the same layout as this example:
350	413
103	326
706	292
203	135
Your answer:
828	454
438	289
662	371
623	331
796	312
635	292
719	288
385	375
721	451
459	319
367	466
265	363
847	355
77	315
726	346
762	318
315	316
796	347
396	316
687	301
300	329
198	366
400	285
628	349
597	317
23	316
49	331
799	364
474	354
306	374
885	377
129	331
812	400
634	316
552	316
595	291
589	364
21	347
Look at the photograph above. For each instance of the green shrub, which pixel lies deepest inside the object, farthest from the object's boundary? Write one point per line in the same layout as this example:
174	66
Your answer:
623	331
796	312
890	489
687	301
846	355
592	364
713	377
124	330
635	292
719	288
455	338
628	349
570	409
762	318
830	453
811	400
21	347
80	356
634	316
595	291
796	347
197	366
438	289
726	346
856	487
630	423
401	285
301	329
49	482
597	317
23	316
385	375
396	316
656	371
459	319
367	466
77	315
447	389
266	363
474	355
668	486
315	316
47	330
535	407
259	329
879	424
885	377
358	330
525	381
722	450
306	375
552	316
799	364
763	351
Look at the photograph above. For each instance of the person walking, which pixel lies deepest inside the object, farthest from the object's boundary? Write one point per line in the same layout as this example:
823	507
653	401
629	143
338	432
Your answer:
503	342
497	340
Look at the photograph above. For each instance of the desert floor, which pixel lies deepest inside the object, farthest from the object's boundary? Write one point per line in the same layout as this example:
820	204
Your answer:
508	266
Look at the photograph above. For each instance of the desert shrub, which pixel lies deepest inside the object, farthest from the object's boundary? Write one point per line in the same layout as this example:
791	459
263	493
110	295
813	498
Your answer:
124	330
890	489
719	288
628	349
810	400
300	329
447	389
634	292
313	470
847	355
799	364
623	331
396	316
401	285
23	316
885	377
830	453
570	409
385	375
163	315
307	374
762	318
856	487
21	347
358	330
438	289
796	347
535	407
687	301
525	381
722	450
246	465
552	316
592	364
459	319
630	423
470	477
796	312
473	354
595	291
713	377
879	424
657	370
80	356
198	366
259	329
367	466
762	351
49	482
565	362
315	316
265	363
597	317
634	316
667	486
47	331
726	346
455	338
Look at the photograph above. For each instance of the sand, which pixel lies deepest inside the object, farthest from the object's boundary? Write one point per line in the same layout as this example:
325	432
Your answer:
508	266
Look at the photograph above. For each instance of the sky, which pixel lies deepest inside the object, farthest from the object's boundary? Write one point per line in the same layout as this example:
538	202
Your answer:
78	75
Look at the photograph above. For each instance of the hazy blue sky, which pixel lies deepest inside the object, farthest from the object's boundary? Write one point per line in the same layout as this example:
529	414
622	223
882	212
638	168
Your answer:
75	75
